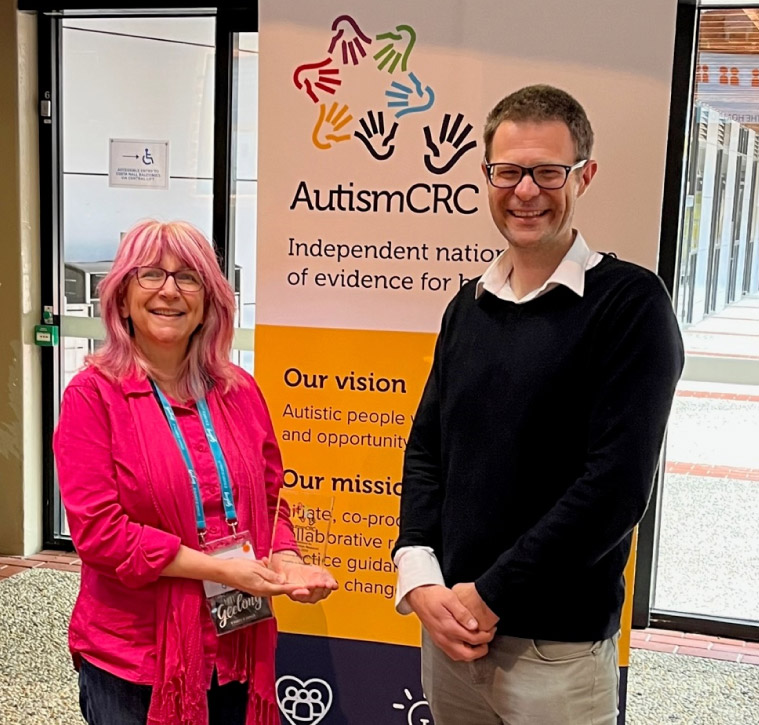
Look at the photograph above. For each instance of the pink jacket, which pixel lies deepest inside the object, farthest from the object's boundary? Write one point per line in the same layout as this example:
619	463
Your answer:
129	505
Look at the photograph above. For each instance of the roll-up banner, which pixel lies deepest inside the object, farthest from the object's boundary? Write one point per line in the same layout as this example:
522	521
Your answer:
372	214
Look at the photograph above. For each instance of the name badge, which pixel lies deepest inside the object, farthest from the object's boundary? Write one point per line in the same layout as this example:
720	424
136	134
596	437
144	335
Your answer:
232	609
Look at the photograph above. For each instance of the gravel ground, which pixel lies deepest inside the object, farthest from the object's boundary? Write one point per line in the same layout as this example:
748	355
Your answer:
708	547
714	431
665	688
38	683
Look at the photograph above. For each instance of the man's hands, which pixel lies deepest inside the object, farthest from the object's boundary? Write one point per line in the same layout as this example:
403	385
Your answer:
312	582
452	626
470	598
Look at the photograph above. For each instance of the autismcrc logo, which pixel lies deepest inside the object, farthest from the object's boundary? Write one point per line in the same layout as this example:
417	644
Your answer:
349	46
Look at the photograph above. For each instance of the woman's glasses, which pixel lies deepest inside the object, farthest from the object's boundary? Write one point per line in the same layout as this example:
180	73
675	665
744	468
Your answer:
154	278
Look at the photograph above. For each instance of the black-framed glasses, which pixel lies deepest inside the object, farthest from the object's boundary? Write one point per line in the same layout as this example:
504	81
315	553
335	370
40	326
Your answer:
154	278
546	176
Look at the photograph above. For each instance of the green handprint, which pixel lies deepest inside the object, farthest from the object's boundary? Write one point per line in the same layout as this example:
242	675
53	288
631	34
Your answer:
389	54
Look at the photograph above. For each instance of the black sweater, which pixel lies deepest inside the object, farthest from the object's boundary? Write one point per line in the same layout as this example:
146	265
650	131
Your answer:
533	451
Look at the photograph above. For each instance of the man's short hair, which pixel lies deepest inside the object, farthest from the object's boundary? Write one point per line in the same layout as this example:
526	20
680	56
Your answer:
542	103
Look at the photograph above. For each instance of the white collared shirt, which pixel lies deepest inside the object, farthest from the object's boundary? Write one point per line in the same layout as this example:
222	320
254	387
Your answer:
570	272
417	565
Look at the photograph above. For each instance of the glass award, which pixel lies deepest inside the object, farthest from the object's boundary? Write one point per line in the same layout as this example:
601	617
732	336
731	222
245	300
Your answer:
311	514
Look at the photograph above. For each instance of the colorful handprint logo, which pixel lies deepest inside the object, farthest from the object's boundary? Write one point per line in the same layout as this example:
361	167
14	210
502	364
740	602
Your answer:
407	94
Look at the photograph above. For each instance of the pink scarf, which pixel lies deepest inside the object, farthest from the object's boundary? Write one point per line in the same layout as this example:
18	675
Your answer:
179	689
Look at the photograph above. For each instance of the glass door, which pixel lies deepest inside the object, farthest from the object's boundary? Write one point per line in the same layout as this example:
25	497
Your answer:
707	570
150	116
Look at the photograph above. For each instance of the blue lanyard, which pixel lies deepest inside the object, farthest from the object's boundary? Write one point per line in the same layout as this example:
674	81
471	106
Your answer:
222	471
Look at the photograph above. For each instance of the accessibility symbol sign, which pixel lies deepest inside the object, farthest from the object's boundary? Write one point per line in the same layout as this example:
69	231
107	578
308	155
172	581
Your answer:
138	164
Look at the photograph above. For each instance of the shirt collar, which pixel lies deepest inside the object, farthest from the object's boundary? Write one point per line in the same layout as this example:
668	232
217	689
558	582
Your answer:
570	272
136	383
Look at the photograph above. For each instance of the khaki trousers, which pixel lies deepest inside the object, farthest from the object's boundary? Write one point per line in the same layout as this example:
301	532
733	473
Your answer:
524	682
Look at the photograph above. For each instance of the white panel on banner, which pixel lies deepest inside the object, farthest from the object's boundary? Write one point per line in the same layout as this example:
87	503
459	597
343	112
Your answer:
373	203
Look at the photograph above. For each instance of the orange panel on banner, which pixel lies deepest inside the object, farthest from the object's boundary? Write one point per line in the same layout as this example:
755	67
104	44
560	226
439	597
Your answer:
342	402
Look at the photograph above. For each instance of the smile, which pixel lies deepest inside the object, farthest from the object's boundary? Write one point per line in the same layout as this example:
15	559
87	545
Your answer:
527	213
167	313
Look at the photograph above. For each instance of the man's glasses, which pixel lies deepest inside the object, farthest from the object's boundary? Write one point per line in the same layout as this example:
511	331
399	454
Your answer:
154	278
546	176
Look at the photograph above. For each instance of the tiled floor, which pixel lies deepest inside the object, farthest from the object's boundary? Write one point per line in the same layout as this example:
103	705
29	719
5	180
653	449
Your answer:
48	559
656	640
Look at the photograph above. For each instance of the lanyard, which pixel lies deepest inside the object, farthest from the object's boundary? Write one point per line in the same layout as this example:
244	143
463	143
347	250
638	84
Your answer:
222	471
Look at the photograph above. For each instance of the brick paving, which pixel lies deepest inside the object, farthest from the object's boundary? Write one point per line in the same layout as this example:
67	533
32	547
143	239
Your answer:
708	353
717	396
710	471
695	645
47	559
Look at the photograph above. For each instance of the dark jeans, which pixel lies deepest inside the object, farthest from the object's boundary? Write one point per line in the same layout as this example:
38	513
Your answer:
108	700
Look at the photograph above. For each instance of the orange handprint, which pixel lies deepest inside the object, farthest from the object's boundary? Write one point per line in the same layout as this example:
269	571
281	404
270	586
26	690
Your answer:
334	118
322	77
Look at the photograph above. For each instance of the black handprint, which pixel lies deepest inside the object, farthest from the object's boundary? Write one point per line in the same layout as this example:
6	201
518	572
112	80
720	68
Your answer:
374	128
448	136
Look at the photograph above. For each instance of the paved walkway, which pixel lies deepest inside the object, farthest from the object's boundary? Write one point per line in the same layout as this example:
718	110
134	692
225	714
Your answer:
733	332
708	547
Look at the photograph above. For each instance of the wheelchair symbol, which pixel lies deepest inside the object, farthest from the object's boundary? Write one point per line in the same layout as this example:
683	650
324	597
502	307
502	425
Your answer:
147	159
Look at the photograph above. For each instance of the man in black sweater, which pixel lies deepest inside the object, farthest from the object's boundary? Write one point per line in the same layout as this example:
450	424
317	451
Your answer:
534	448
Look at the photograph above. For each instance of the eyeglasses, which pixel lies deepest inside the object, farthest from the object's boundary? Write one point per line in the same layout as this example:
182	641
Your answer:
154	278
546	176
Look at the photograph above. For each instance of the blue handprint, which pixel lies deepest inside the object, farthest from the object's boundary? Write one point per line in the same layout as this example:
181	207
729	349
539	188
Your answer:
402	95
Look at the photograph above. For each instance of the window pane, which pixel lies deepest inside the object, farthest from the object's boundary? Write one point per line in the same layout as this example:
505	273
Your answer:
144	80
111	90
708	548
245	186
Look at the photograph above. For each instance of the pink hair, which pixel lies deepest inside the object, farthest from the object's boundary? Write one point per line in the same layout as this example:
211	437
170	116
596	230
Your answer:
207	360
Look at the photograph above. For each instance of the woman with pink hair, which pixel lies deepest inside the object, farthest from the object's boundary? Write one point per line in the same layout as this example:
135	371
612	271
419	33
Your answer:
170	474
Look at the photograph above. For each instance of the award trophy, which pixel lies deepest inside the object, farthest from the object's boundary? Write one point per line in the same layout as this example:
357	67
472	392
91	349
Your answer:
311	516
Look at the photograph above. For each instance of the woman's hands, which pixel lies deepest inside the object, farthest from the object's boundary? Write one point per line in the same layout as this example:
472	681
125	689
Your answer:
312	583
284	574
255	577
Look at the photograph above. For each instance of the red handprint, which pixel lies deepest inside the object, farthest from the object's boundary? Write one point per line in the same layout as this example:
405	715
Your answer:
322	77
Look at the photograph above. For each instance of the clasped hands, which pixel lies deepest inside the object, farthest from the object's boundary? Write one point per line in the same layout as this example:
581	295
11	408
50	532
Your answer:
458	620
285	573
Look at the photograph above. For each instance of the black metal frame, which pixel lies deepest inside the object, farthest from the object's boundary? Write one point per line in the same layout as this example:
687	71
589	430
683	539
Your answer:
229	21
97	8
49	47
682	72
644	614
228	24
